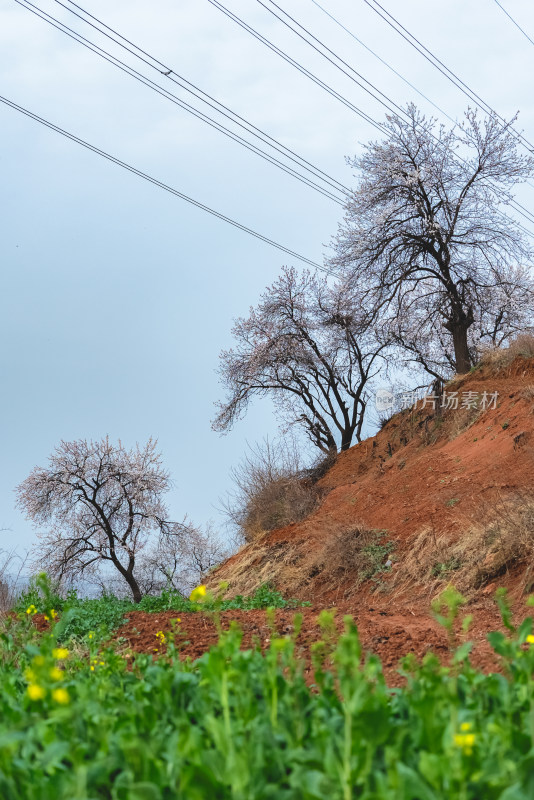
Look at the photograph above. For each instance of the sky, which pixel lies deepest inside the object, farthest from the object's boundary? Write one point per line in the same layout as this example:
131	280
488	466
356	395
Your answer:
117	296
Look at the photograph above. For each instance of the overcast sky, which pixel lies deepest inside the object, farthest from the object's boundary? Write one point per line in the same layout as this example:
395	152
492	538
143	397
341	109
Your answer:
117	297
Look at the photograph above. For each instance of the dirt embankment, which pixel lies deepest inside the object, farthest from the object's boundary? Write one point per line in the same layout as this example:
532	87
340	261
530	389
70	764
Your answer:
449	488
453	492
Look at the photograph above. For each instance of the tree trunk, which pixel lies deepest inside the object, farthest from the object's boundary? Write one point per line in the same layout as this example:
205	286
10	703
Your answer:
134	587
346	438
458	327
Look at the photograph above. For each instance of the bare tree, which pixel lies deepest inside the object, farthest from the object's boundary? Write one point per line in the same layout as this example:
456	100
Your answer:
307	346
182	561
427	243
103	505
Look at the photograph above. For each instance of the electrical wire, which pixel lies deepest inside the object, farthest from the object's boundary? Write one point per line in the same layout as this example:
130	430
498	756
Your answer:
382	60
414	42
180	80
520	209
296	64
160	184
517	25
354	80
176	100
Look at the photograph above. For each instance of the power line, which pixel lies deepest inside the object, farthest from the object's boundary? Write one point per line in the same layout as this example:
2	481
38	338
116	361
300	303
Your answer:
198	93
382	60
524	212
357	82
517	25
414	42
176	100
296	64
160	184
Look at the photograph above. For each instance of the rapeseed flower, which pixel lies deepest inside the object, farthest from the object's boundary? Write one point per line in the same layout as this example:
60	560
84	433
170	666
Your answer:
198	594
60	653
31	609
61	696
56	674
465	741
35	692
530	639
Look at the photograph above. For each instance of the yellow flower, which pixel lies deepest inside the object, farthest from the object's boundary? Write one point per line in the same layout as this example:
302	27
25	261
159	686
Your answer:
35	692
160	637
465	741
465	726
53	613
29	674
31	609
92	668
530	639
60	653
198	594
61	696
38	661
91	634
56	674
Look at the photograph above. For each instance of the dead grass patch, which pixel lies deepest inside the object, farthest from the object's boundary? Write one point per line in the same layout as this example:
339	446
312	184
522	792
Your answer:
486	551
498	358
336	560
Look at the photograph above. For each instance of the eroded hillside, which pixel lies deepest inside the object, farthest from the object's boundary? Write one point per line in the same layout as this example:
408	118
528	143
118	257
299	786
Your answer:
444	495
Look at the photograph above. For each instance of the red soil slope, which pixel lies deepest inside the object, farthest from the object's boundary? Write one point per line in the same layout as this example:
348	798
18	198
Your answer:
436	484
423	475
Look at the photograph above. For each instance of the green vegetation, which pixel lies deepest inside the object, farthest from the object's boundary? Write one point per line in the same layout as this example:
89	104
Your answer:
103	615
375	554
441	568
87	723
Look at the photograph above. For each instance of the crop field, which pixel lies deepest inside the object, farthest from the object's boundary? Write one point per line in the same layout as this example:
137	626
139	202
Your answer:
82	718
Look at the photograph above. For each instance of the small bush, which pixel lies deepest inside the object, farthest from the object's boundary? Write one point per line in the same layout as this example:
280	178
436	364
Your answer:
272	490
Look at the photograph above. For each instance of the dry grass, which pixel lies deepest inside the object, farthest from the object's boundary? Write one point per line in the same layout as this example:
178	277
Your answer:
11	566
272	489
498	358
503	543
331	560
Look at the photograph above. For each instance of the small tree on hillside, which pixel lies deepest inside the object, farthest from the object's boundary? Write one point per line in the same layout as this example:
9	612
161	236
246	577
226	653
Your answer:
306	346
102	505
425	240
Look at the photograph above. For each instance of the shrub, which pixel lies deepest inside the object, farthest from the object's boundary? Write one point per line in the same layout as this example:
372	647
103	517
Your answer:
272	490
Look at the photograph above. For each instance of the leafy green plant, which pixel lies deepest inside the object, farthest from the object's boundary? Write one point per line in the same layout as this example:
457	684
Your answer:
102	615
242	724
441	568
375	555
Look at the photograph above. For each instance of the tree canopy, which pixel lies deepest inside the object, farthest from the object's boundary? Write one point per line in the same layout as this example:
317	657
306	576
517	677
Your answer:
428	240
